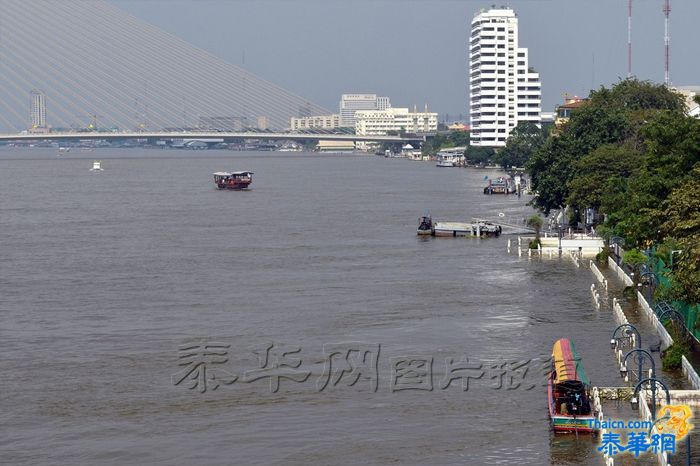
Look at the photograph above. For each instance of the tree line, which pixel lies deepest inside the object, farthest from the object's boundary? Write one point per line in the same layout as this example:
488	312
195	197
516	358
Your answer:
632	153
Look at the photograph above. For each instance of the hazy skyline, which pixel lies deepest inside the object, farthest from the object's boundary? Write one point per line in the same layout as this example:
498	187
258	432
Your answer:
416	51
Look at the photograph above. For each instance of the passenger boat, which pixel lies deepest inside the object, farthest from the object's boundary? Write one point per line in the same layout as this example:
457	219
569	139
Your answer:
568	391
445	160
425	225
233	180
96	166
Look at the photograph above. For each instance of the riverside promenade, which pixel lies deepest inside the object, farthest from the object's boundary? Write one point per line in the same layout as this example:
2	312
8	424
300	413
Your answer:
609	282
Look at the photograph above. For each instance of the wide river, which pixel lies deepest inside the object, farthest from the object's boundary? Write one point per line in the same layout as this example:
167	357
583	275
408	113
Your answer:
338	327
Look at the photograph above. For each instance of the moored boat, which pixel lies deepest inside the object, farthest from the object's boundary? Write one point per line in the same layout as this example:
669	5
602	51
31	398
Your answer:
568	391
425	225
445	160
233	180
501	185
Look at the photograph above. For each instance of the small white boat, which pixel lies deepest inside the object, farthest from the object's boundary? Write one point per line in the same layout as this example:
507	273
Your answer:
96	166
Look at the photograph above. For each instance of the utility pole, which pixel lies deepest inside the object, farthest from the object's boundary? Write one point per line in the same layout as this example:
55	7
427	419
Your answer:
667	40
629	39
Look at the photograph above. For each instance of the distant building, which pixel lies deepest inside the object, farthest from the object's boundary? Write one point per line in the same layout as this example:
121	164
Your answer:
382	122
351	103
503	89
458	127
689	93
37	116
564	111
547	118
263	123
223	123
315	122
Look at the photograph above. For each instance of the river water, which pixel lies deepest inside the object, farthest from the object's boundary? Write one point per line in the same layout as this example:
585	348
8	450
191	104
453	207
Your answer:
105	276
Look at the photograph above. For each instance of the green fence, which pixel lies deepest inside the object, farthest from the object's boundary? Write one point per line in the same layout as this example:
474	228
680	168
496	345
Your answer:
689	312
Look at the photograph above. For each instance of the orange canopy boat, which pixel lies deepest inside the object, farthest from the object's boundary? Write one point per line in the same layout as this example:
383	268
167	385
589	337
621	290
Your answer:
568	390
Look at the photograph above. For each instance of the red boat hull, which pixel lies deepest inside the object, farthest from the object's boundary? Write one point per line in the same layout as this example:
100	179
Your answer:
234	184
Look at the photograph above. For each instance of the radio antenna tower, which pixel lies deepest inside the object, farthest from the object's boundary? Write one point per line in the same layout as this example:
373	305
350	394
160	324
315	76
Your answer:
667	40
629	39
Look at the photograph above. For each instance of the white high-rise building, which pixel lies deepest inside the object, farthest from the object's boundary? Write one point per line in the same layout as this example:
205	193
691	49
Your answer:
503	89
37	115
350	103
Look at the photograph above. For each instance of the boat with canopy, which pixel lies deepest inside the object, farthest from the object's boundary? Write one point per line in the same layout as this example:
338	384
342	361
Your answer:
568	390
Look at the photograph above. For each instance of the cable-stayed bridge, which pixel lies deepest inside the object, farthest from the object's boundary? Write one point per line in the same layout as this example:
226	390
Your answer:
99	67
223	136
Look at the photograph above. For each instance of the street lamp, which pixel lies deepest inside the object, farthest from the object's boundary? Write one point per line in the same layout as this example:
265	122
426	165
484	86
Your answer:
626	330
635	406
652	381
639	354
674	315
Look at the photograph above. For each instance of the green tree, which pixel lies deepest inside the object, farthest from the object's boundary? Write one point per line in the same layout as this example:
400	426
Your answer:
598	174
682	208
611	116
687	269
446	140
682	221
522	142
551	168
671	145
635	259
478	155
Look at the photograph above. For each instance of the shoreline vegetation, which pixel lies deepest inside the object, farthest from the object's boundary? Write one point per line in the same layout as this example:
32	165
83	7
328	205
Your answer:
628	162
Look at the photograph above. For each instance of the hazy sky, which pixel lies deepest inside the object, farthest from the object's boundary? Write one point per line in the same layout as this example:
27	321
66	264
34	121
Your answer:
415	51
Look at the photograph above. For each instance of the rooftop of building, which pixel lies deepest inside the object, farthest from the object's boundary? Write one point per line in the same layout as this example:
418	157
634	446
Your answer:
688	88
573	102
496	12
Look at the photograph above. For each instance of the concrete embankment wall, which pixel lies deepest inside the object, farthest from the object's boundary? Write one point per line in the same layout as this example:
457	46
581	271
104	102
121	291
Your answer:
690	374
666	339
619	272
588	245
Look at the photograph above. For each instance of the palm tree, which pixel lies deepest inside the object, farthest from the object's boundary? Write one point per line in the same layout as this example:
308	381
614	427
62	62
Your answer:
535	222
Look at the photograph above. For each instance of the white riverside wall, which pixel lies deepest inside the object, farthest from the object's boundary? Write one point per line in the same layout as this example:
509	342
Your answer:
690	373
666	339
598	407
619	272
645	413
598	274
